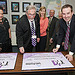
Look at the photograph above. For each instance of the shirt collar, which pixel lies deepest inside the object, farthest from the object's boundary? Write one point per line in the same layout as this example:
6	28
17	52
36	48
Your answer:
31	20
68	22
51	18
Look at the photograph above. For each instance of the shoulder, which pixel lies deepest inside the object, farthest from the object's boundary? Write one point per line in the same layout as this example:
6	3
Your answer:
5	19
23	18
37	15
46	19
55	18
73	17
6	22
62	22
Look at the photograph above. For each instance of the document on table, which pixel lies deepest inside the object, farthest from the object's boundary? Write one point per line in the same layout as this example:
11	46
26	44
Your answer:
33	61
7	60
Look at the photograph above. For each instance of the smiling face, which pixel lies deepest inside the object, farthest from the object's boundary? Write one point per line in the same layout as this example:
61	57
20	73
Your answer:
52	12
1	14
42	12
67	14
31	14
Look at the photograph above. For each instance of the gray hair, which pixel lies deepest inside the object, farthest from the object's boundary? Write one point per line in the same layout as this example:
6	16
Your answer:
29	7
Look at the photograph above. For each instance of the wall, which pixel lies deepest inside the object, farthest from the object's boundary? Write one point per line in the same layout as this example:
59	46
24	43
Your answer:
13	26
72	2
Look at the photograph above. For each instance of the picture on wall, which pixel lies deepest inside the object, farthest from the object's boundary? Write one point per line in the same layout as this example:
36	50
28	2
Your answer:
38	5
25	4
15	18
15	6
3	3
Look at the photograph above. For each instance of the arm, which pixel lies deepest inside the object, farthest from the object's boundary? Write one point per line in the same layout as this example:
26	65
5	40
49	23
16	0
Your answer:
72	51
60	38
9	33
5	20
55	33
73	44
19	37
56	30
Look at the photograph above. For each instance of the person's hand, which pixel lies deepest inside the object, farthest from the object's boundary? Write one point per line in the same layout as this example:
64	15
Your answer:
38	39
22	49
62	43
51	40
69	57
55	50
0	49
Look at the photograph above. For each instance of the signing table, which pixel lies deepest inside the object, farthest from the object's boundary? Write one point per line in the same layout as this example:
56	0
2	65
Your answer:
18	69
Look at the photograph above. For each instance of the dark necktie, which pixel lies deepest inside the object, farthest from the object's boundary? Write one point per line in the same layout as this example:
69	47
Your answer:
50	19
49	23
67	37
33	34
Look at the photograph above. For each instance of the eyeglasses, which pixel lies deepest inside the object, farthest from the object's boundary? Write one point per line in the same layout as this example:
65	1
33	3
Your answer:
31	14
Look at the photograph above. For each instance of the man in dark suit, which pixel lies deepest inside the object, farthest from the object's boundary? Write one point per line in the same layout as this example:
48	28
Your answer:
50	30
28	30
56	32
68	17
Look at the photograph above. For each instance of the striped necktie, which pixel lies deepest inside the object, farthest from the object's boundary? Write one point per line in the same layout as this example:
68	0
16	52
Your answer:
50	19
67	37
49	23
33	34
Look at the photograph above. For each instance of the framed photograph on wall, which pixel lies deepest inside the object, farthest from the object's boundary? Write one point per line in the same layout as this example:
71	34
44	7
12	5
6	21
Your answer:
25	4
15	6
15	18
38	5
3	3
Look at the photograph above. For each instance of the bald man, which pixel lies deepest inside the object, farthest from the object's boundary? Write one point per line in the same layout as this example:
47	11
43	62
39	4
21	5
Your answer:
50	29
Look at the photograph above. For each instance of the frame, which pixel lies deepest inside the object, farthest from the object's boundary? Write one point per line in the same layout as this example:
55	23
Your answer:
3	3
38	5
25	4
15	6
15	18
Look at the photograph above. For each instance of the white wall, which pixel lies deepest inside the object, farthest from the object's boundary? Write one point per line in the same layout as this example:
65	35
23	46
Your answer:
20	9
72	2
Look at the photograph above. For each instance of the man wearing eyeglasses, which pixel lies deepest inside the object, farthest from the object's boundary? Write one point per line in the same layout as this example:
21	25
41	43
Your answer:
28	30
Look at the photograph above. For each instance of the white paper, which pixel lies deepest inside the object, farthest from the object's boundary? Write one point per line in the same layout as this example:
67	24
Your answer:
7	60
44	61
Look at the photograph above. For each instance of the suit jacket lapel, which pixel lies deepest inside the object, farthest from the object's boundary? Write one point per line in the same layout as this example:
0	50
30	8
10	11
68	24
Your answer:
27	21
35	22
